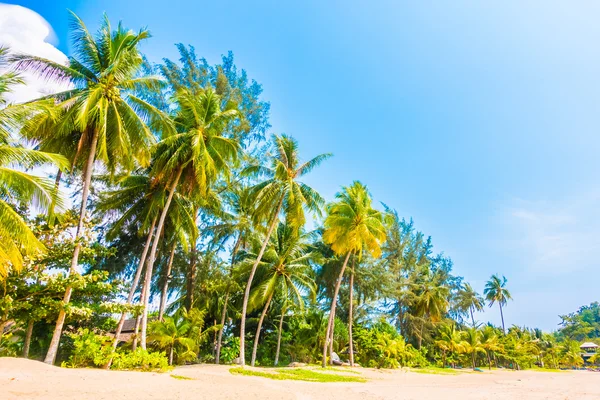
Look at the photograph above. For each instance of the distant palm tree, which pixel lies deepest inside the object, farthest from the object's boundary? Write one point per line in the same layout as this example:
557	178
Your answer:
100	117
284	269
495	292
352	225
282	190
431	299
180	333
470	300
490	342
472	343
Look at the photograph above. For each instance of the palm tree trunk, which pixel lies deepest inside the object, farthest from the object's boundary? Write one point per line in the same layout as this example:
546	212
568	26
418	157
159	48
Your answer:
132	290
473	358
332	311
331	337
28	335
489	359
224	312
163	295
171	356
87	180
421	333
148	277
191	275
502	317
283	310
272	225
350	319
472	318
260	321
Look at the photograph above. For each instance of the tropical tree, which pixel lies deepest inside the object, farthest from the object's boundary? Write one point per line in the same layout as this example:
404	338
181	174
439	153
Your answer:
352	226
196	155
282	190
490	342
18	187
472	343
495	292
449	340
285	270
99	114
431	298
470	300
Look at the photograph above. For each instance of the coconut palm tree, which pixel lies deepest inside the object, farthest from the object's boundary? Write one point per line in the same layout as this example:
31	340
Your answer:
282	190
191	159
490	342
178	334
431	299
237	224
17	186
472	343
470	300
352	226
100	116
449	340
284	269
495	292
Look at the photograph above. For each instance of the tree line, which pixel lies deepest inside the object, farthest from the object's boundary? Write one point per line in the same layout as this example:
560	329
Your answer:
191	225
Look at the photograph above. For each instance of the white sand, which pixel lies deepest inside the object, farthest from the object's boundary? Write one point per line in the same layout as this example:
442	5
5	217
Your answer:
23	379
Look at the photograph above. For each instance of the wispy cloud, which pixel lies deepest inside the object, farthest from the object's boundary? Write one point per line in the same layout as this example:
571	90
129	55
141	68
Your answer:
556	237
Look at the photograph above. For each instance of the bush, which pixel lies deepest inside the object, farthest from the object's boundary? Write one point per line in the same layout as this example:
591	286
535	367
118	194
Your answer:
140	360
89	349
230	350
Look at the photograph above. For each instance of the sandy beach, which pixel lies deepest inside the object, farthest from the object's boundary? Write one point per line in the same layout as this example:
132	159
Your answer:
24	379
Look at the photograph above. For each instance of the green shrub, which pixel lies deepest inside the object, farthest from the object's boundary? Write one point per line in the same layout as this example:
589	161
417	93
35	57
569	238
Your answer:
230	350
89	349
141	360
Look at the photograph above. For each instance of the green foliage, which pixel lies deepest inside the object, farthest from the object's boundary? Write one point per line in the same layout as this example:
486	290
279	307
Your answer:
141	360
89	349
230	349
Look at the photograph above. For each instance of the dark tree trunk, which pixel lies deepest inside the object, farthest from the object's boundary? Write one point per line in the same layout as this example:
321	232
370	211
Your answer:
191	275
332	311
472	318
502	317
272	225
28	335
279	336
87	179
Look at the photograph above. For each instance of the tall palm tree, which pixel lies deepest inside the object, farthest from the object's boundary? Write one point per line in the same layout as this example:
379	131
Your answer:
236	223
193	157
283	269
17	186
495	292
470	300
100	116
281	190
352	225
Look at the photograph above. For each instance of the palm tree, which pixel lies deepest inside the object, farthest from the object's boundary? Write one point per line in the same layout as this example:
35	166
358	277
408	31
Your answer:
472	343
490	342
352	225
281	190
431	298
470	300
284	269
196	155
495	292
450	340
179	333
236	223
99	116
16	186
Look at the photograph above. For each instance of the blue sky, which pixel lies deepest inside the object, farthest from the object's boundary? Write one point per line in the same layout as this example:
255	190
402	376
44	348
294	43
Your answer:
478	120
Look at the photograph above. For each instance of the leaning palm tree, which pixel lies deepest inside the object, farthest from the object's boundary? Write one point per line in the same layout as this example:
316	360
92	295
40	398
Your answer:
352	225
284	269
282	190
100	119
470	300
495	292
191	159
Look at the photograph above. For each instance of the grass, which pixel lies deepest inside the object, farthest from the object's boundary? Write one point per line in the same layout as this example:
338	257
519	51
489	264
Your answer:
181	377
340	369
297	374
435	371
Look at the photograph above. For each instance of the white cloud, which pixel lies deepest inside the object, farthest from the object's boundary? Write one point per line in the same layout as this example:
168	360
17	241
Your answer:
25	31
558	237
